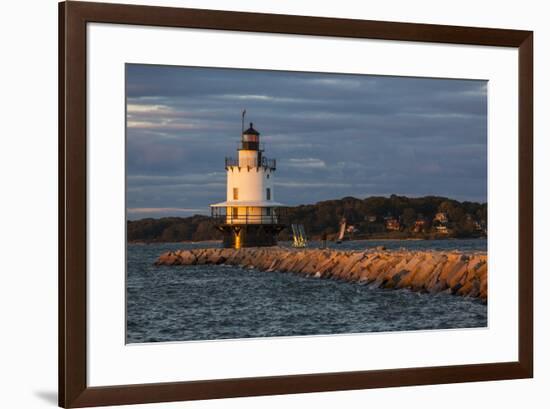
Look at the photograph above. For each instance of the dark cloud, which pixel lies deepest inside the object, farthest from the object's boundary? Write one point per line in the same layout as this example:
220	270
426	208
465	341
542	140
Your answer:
333	135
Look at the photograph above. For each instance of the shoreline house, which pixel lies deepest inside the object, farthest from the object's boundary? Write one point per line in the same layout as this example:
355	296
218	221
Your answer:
250	216
371	218
440	221
392	224
441	217
420	225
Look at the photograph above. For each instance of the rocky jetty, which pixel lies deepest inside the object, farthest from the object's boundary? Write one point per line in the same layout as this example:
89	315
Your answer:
457	273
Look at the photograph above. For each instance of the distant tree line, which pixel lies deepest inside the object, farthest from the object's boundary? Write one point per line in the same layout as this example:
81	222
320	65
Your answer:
394	216
373	217
172	229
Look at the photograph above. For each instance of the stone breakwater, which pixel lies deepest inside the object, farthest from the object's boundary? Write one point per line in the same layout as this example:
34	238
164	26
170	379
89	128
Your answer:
457	273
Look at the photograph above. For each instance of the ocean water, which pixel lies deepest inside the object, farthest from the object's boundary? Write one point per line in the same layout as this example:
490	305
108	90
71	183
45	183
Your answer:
183	303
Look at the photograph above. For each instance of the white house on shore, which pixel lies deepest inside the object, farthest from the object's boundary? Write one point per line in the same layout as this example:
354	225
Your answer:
250	216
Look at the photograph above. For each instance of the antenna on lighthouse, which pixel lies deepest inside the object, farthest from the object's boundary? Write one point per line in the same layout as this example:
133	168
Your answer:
242	122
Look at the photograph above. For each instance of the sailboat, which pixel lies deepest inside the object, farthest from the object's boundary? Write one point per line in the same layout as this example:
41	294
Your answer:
342	230
299	236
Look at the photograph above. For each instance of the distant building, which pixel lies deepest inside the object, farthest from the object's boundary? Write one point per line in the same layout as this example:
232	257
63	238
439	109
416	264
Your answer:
351	229
440	221
392	224
419	225
441	217
442	229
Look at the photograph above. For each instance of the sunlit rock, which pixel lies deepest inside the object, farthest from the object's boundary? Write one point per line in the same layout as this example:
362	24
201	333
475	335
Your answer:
431	271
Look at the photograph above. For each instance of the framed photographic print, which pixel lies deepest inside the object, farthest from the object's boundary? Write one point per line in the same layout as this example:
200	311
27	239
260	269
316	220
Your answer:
255	204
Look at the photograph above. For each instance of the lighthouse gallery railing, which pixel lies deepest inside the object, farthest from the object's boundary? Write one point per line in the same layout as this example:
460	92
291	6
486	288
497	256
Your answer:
277	216
251	163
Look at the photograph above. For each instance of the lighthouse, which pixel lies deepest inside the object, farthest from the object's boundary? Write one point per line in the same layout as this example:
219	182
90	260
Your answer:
250	216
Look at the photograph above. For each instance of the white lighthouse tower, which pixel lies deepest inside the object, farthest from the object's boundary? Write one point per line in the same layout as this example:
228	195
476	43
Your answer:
250	217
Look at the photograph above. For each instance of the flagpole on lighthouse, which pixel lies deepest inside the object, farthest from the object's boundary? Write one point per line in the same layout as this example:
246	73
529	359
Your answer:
242	120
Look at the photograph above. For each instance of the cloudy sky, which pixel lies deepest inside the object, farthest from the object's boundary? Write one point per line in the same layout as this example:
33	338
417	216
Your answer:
333	135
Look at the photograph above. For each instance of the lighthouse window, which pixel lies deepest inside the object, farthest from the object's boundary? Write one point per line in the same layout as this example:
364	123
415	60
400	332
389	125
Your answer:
268	194
235	193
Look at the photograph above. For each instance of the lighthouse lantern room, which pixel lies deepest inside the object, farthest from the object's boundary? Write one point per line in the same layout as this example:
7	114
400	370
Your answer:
250	217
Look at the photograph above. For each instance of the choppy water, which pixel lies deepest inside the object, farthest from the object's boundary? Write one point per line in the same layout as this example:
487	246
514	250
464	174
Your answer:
182	303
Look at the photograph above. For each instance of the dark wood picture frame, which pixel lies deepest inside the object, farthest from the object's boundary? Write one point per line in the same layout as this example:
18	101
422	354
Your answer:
73	388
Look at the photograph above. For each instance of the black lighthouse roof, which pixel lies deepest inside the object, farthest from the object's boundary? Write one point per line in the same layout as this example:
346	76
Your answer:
251	130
